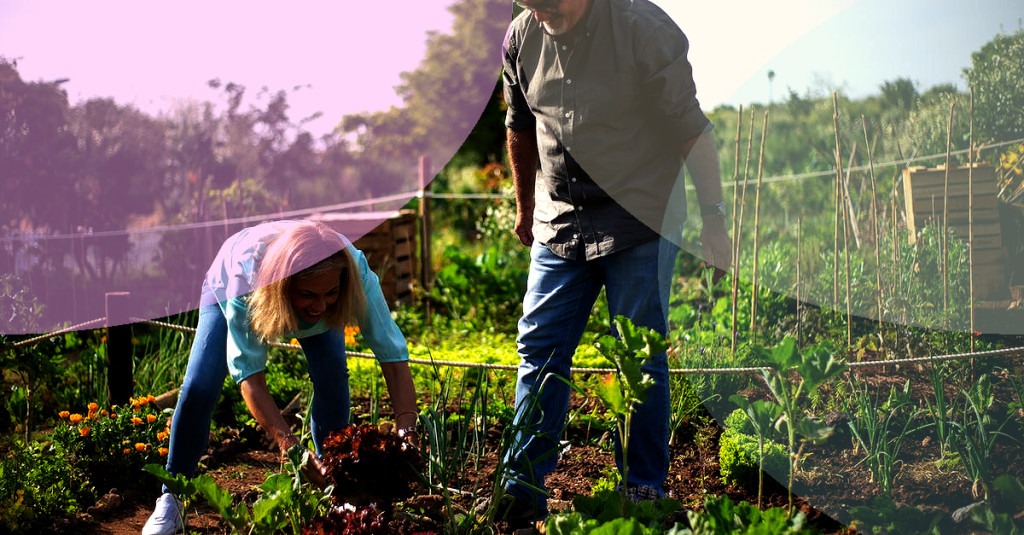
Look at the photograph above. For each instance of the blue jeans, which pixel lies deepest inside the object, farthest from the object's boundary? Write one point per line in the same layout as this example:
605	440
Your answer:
204	377
559	298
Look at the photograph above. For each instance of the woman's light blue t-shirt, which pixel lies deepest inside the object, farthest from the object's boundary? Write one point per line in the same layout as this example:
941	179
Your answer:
230	280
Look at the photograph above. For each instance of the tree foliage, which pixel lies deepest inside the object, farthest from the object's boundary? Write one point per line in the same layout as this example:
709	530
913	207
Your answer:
997	76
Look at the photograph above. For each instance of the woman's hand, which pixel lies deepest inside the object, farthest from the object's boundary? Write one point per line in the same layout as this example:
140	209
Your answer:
314	469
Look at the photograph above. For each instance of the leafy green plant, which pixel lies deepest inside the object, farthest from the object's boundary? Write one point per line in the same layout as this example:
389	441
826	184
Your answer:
285	504
813	367
874	426
39	483
883	515
722	516
621	392
975	437
760	416
742	448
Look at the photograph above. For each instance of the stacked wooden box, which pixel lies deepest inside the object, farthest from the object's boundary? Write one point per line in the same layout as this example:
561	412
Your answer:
925	192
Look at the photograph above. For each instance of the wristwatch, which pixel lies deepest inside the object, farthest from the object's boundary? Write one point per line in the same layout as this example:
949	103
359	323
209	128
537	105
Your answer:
713	209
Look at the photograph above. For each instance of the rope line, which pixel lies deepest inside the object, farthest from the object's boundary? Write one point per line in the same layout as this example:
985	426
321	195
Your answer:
40	338
1007	352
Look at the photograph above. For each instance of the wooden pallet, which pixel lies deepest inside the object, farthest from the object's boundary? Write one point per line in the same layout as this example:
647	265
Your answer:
926	190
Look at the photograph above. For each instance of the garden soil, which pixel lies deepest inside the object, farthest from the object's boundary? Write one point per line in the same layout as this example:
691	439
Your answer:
832	477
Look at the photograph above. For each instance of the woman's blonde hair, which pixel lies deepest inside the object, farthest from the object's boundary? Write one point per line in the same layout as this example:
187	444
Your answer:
305	250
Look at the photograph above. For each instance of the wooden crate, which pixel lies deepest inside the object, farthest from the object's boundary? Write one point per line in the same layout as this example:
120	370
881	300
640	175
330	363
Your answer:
925	192
389	243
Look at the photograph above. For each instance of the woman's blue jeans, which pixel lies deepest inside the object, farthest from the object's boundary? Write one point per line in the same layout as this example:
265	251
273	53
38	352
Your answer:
559	298
204	377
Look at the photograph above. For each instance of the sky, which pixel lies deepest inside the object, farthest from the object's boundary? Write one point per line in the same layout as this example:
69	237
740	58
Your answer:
816	46
346	57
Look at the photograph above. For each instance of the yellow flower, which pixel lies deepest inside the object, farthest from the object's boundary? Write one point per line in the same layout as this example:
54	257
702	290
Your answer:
140	446
150	418
84	432
163	452
63	414
294	341
75	418
136	420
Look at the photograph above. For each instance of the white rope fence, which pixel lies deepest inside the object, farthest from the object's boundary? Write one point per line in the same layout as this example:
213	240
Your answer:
1008	353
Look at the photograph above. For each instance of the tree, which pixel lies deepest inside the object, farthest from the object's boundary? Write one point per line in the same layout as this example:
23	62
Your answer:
997	76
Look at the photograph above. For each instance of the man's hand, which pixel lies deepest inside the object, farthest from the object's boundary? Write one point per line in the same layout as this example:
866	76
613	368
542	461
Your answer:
524	226
315	471
715	246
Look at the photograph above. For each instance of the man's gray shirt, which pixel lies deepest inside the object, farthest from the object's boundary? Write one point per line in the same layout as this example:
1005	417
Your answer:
612	102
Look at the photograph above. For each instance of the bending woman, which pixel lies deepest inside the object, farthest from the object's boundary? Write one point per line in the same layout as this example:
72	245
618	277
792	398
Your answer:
284	278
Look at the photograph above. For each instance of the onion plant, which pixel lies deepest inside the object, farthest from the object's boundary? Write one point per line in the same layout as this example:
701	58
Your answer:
874	426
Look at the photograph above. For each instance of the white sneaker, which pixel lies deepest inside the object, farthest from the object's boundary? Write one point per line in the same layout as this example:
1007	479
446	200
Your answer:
166	517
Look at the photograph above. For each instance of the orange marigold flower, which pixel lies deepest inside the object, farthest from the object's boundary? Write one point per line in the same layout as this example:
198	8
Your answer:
151	398
163	452
350	334
294	341
136	420
139	446
150	418
104	412
75	418
160	436
63	414
127	451
93	407
84	432
113	415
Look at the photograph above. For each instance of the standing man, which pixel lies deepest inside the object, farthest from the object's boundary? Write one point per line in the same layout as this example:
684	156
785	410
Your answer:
602	112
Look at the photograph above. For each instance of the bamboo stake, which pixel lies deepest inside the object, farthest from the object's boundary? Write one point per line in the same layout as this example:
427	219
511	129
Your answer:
970	222
836	204
735	228
844	203
743	204
874	226
945	219
757	227
849	203
799	255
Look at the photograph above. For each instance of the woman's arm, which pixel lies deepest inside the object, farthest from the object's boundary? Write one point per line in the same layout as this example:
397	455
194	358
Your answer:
402	391
261	405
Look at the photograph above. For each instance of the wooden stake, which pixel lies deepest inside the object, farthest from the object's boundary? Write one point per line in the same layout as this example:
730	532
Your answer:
735	229
757	227
945	219
874	227
970	222
743	204
836	204
799	255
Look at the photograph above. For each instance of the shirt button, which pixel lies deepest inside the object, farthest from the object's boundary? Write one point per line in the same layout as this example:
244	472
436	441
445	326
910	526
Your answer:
573	179
579	208
568	114
576	236
564	47
568	82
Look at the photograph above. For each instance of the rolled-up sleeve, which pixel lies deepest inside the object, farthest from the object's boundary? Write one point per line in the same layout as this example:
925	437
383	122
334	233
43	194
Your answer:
375	323
518	116
666	80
